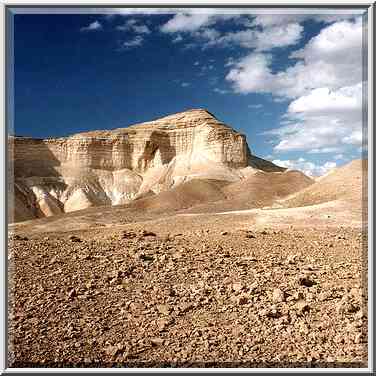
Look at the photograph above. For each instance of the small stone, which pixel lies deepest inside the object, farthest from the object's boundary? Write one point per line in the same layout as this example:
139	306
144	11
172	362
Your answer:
177	255
185	307
148	233
16	237
74	238
162	324
315	355
302	307
270	312
114	350
72	293
167	238
243	299
157	341
163	309
305	281
356	292
115	281
273	313
358	338
263	312
291	259
145	257
90	284
237	286
325	295
224	233
308	268
253	287
278	296
128	234
298	296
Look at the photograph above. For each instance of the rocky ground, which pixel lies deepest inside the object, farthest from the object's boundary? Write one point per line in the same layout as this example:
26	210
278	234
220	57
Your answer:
202	298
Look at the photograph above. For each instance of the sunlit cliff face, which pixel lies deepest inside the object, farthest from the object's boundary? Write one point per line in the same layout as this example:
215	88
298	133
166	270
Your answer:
113	167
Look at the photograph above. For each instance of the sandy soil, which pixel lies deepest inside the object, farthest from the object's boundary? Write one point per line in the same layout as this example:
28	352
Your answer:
187	279
205	291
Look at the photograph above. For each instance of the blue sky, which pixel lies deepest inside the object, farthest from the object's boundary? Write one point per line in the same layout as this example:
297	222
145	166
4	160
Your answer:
290	82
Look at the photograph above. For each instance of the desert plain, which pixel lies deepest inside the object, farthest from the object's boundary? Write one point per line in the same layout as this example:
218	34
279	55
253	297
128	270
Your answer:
169	244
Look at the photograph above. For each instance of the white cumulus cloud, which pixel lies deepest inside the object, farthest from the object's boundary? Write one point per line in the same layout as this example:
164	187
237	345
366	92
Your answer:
307	167
326	101
262	40
183	22
324	87
323	121
201	27
190	20
268	20
331	59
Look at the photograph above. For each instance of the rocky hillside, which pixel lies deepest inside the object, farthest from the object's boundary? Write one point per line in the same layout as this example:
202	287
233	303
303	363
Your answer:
113	167
347	183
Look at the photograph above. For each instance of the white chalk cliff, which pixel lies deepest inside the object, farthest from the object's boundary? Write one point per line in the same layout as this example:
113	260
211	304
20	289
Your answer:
113	167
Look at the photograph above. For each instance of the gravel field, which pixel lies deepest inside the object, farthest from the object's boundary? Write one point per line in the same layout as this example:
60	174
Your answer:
203	298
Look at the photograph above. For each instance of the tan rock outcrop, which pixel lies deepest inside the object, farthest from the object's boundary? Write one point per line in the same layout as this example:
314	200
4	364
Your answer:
116	166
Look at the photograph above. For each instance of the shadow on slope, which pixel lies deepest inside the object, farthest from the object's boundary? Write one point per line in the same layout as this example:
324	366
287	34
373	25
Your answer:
260	189
186	195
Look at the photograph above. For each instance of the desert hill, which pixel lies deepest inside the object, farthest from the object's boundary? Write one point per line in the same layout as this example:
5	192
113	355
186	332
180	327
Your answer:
114	167
277	199
344	183
188	162
257	189
262	189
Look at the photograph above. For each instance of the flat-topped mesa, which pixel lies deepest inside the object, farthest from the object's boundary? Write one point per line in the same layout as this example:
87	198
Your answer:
184	119
115	166
140	146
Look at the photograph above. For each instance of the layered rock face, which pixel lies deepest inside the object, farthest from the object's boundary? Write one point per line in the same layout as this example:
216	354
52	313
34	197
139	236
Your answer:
53	176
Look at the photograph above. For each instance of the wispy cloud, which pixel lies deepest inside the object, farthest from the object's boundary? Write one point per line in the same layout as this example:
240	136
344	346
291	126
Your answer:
94	26
185	84
191	20
255	106
262	35
261	40
221	91
135	26
177	39
135	42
